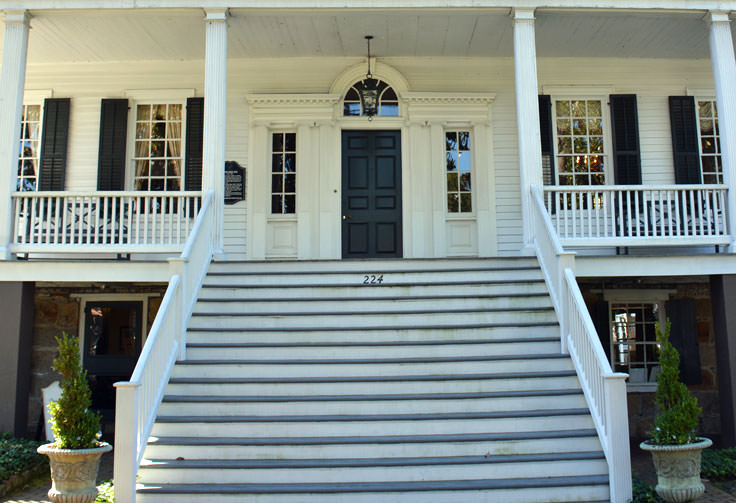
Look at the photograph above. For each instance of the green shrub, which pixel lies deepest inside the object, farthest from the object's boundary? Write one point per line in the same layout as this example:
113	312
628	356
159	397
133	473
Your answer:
75	426
18	455
105	492
719	464
679	410
643	493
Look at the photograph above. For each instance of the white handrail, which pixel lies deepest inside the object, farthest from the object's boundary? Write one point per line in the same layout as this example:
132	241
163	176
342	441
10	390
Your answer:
604	390
138	400
639	215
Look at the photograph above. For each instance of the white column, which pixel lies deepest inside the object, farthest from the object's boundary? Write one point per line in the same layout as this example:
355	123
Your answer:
12	82
724	75
215	108
527	116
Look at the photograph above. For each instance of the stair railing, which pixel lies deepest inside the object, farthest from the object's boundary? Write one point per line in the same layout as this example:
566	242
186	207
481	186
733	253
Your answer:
138	400
605	390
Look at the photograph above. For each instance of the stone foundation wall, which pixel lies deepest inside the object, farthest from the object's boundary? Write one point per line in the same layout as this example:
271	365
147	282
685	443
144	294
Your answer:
641	404
57	311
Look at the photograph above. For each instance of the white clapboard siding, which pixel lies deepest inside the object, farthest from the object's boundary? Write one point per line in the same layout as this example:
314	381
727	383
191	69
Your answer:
652	80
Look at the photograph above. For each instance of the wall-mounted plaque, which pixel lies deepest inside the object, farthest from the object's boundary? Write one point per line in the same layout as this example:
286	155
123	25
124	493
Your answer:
234	182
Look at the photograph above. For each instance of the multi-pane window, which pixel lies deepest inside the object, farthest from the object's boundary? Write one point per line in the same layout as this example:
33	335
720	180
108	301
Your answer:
580	149
634	347
457	167
28	161
158	147
710	144
388	102
283	173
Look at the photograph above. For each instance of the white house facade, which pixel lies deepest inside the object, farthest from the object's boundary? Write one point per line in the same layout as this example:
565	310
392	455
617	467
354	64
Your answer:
332	251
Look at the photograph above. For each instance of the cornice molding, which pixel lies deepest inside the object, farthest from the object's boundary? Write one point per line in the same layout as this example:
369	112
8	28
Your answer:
292	99
423	98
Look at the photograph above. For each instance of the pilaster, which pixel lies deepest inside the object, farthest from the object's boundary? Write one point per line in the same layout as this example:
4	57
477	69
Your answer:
215	109
724	75
12	82
527	115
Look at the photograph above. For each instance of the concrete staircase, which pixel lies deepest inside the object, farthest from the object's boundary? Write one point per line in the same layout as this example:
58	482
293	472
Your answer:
364	381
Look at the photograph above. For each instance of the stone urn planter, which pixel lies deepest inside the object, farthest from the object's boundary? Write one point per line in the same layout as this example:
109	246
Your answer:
74	472
678	469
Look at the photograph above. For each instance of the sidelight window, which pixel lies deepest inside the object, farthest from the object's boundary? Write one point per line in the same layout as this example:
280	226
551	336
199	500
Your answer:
458	172
283	173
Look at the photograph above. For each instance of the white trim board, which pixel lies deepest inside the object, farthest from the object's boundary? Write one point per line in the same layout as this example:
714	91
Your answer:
624	266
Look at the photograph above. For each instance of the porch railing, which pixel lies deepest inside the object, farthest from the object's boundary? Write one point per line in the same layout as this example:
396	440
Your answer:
138	400
117	222
638	215
605	390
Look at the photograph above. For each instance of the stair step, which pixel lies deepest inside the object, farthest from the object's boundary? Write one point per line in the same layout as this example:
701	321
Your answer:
317	291
370	304
373	424
197	351
373	336
396	473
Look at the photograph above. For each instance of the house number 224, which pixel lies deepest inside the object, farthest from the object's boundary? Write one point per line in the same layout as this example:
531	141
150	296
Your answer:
372	279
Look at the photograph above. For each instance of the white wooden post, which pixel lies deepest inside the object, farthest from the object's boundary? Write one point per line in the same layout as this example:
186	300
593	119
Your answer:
126	441
617	422
12	82
178	265
724	75
215	107
527	117
565	261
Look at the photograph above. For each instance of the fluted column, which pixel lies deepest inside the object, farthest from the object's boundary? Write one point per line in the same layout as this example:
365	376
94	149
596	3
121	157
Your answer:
724	75
527	116
215	109
12	82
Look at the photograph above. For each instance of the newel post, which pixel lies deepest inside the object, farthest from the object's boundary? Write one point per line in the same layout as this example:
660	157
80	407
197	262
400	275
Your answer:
565	261
178	268
617	441
215	117
12	83
724	76
126	441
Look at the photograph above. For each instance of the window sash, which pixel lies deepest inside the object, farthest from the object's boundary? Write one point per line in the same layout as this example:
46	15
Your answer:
458	173
283	172
586	144
711	165
29	155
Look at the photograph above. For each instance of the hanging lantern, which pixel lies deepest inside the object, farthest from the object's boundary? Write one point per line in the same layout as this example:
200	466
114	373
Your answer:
369	90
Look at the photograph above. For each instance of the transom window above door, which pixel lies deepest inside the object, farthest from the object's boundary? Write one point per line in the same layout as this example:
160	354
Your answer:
158	155
580	149
388	101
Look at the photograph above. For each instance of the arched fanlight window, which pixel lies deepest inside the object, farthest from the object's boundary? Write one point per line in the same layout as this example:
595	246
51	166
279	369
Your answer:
388	102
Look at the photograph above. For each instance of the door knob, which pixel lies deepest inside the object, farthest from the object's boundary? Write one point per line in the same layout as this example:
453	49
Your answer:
346	217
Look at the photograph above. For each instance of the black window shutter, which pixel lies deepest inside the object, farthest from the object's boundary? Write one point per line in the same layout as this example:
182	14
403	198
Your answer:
626	157
195	135
684	337
685	139
545	128
54	139
602	324
113	136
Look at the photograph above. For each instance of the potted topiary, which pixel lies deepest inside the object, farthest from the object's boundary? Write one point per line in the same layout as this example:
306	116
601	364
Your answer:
675	448
75	455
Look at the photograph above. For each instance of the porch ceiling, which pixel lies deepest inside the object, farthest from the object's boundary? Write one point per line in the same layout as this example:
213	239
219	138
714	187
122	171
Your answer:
114	35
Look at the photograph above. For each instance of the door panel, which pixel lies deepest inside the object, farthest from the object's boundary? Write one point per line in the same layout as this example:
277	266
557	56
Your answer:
371	189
